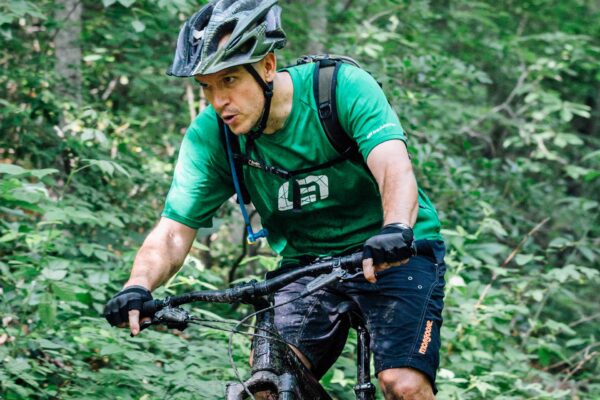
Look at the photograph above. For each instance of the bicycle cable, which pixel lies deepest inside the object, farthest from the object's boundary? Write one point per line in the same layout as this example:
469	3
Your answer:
243	322
206	323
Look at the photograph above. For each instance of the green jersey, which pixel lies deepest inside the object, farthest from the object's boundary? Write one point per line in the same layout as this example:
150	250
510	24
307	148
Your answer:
341	204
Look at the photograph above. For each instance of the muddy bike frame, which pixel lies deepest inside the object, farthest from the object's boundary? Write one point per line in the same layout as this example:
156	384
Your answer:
275	367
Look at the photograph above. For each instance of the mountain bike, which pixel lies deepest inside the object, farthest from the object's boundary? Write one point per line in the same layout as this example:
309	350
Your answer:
277	373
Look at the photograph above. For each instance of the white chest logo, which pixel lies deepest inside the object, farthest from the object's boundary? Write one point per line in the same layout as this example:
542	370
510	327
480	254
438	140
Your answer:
312	189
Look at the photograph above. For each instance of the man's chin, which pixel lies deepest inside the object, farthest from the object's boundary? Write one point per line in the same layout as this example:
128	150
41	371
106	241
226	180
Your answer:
238	131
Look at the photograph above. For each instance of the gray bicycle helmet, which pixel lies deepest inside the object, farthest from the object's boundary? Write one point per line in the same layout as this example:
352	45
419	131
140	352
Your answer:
255	28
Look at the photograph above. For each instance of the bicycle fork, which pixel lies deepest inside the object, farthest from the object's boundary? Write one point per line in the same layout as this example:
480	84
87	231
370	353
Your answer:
364	389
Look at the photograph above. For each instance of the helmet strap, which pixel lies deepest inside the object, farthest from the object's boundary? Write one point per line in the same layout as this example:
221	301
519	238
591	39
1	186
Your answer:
267	88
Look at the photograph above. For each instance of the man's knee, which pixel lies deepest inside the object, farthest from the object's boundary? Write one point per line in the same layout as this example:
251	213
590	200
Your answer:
405	384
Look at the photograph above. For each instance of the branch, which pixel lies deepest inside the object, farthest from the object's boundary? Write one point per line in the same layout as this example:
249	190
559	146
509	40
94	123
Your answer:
348	5
111	86
189	94
587	357
570	359
383	14
508	260
238	261
61	22
584	320
502	106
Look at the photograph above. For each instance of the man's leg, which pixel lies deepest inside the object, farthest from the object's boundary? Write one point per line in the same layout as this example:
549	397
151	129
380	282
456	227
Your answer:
403	313
312	325
405	384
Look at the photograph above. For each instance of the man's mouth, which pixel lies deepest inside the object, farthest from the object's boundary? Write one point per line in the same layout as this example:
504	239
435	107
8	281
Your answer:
228	119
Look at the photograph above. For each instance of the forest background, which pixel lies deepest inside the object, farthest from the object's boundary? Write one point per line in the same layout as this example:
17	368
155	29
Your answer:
501	102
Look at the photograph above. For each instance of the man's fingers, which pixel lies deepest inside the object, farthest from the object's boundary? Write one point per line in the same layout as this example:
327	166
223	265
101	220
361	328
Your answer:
369	270
134	321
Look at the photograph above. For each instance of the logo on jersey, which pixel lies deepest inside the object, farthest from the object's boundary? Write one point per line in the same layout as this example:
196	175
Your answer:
312	189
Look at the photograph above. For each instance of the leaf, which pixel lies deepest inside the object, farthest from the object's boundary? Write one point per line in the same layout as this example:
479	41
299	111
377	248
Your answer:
64	291
577	172
340	378
47	309
593	154
88	134
138	26
108	3
84	298
112	348
127	3
522	259
92	58
587	253
106	167
102	254
46	344
12	169
456	281
87	249
40	173
54	274
575	342
537	295
559	327
484	387
559	242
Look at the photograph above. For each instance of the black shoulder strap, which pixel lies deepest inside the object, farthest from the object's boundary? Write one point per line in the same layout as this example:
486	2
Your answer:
235	149
324	88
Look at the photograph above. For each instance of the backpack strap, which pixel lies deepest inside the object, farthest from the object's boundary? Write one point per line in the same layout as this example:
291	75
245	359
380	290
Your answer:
324	88
234	142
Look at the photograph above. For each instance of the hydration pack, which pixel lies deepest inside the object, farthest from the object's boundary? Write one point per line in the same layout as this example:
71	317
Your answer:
324	91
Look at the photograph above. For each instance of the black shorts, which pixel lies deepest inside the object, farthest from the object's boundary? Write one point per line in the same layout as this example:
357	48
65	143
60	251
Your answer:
402	311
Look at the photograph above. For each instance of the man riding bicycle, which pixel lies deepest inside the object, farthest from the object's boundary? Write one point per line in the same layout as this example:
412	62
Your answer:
370	203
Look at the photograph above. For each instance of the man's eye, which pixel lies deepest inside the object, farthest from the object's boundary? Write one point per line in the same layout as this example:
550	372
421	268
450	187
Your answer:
229	79
202	85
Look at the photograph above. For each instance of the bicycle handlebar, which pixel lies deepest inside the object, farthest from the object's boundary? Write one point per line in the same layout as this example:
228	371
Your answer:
247	291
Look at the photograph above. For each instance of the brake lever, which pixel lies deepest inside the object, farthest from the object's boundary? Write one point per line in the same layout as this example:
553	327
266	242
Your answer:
349	276
172	317
323	280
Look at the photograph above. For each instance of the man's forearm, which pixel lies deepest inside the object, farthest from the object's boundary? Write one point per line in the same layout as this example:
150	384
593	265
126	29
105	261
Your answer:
399	196
152	267
392	169
161	255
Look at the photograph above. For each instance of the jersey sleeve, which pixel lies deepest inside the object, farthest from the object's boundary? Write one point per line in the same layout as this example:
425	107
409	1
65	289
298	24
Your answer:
363	110
202	181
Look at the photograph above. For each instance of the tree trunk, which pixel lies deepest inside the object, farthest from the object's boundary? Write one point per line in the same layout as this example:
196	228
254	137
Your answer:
317	25
68	48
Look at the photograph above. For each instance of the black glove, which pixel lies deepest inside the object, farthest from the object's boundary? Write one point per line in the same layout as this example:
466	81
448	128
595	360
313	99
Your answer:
117	309
394	243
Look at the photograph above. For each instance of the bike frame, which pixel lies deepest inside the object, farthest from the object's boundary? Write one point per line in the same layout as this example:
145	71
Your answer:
275	366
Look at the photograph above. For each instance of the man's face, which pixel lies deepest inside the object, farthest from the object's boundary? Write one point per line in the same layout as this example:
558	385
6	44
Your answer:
236	97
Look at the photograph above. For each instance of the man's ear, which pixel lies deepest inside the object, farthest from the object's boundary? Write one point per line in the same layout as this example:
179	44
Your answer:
269	66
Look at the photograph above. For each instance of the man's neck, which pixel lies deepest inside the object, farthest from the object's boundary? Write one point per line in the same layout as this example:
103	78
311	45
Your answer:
281	104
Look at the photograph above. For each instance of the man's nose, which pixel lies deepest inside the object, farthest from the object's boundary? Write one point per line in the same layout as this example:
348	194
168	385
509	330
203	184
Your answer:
220	100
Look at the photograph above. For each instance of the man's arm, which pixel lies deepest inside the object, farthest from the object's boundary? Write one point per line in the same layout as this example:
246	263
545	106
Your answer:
160	257
390	165
162	254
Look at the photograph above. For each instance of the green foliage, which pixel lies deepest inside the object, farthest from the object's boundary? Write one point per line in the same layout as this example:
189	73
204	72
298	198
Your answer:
500	101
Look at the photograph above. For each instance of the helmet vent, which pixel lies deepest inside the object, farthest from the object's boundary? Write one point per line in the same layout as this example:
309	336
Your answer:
221	32
247	47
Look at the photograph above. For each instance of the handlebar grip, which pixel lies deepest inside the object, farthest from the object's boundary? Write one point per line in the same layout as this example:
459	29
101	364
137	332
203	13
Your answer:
353	261
150	307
